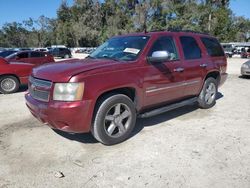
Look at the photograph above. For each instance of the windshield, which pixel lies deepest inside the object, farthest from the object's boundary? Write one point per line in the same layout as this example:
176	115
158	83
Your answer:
11	56
121	48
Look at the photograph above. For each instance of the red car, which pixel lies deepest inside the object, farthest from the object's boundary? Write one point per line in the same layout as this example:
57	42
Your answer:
245	53
32	57
13	74
129	76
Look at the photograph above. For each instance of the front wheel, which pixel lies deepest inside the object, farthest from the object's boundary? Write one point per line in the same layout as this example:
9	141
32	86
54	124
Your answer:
114	120
207	97
9	84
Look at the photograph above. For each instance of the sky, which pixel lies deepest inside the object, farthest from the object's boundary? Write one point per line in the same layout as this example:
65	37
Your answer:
19	10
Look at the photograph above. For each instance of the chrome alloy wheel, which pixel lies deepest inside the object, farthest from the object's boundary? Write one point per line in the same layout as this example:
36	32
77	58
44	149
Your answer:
117	120
210	93
8	84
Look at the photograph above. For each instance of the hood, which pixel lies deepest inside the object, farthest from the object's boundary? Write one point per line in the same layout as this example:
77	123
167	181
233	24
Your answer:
64	70
3	61
248	63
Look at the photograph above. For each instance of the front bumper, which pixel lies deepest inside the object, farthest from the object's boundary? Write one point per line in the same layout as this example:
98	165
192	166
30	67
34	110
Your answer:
66	116
223	78
245	71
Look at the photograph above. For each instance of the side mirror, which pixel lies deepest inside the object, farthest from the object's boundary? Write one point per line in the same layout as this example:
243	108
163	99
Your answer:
159	56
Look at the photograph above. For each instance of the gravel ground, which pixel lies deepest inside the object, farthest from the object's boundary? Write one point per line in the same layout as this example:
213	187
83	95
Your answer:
187	147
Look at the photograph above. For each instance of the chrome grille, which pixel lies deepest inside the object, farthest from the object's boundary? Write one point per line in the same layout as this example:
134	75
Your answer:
39	89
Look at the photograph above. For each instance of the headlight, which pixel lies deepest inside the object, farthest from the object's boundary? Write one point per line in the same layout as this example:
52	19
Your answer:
245	66
68	91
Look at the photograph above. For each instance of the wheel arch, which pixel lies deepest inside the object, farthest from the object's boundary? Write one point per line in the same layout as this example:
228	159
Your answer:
214	74
3	75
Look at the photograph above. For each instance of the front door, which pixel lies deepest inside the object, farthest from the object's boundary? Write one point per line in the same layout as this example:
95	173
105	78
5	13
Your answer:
164	81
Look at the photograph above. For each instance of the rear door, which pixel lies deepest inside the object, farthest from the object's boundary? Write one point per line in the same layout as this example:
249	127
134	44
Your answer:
194	65
35	58
163	82
215	55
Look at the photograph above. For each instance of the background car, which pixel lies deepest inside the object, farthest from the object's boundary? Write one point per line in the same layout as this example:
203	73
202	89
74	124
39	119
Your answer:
228	49
61	52
245	53
7	53
41	49
33	57
245	69
13	74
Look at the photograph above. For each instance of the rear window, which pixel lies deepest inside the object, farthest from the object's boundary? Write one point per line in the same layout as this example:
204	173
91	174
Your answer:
213	47
190	48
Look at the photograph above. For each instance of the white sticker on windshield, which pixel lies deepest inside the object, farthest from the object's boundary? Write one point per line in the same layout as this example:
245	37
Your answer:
131	50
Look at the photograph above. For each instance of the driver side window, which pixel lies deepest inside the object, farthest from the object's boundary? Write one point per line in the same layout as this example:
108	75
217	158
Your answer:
23	55
165	43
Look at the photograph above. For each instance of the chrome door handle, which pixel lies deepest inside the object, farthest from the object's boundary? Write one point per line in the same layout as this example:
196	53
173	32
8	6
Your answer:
179	69
203	65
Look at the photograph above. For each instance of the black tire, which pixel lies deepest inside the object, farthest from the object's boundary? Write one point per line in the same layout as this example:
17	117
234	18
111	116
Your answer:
9	84
203	101
103	125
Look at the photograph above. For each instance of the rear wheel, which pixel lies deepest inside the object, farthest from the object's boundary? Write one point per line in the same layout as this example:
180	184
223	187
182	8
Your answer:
207	97
114	119
9	84
66	56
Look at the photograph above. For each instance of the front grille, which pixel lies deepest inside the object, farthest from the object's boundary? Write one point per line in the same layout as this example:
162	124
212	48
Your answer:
39	89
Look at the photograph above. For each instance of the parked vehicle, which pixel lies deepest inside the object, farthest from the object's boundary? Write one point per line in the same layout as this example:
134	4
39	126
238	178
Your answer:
41	49
245	69
61	52
228	49
129	76
7	53
2	49
245	53
12	75
33	57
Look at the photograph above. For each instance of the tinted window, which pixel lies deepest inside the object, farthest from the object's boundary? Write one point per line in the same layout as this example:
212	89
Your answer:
213	47
62	49
165	44
23	55
43	54
190	48
35	54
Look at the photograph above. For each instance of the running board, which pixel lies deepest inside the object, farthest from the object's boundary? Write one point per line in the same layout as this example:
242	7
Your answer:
168	108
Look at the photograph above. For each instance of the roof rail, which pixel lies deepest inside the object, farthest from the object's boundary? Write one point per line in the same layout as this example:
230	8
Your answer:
180	30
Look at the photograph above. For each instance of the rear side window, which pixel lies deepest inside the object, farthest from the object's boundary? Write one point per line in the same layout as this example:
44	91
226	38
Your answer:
165	43
43	54
213	47
190	48
35	54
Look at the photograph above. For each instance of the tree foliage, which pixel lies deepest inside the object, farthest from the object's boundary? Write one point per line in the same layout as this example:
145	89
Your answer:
90	22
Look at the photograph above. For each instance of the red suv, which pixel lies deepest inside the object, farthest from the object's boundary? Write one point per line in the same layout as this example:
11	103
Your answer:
129	76
32	57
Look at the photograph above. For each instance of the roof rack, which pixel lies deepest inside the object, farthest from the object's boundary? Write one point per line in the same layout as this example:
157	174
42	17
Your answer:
180	30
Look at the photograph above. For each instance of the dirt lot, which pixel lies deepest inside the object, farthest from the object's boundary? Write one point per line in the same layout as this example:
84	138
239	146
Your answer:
187	147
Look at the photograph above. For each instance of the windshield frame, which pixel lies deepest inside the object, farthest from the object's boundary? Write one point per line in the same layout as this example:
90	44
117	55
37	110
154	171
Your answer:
120	37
